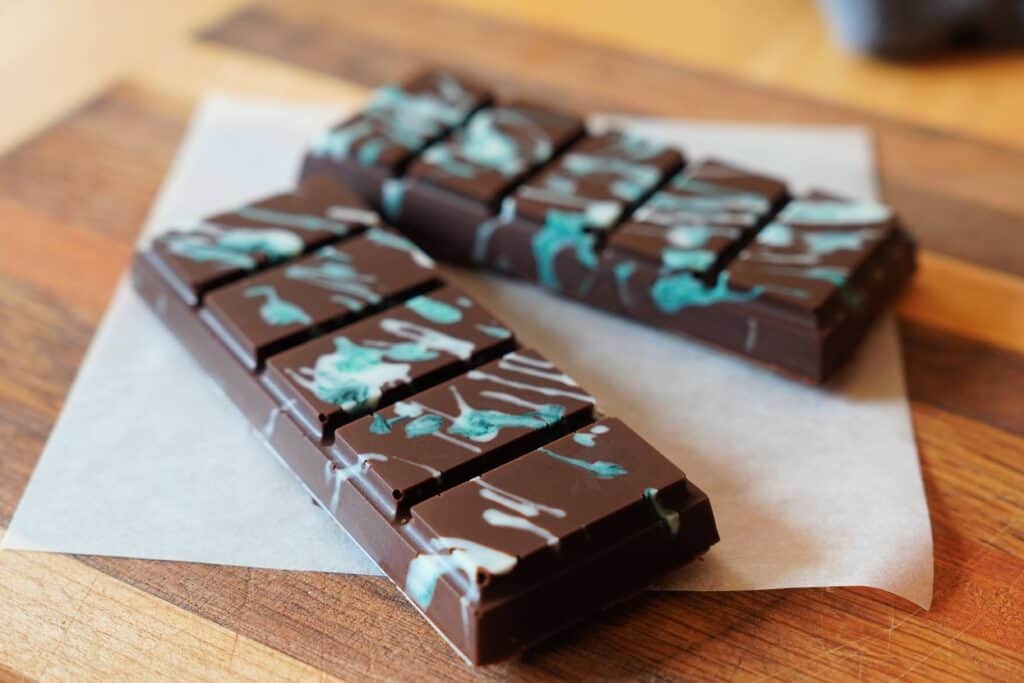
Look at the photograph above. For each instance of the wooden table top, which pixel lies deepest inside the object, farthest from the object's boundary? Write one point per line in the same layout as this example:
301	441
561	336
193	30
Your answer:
73	197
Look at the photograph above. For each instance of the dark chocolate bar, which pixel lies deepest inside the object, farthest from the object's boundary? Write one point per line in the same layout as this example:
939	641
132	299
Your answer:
477	474
715	251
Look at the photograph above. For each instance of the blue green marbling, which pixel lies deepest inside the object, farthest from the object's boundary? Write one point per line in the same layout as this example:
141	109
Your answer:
196	248
495	331
484	425
562	231
673	292
687	259
423	426
483	144
453	555
336	274
434	310
834	212
633	179
392	196
391	240
589	439
396	117
294	220
275	310
354	376
781	235
637	147
601	469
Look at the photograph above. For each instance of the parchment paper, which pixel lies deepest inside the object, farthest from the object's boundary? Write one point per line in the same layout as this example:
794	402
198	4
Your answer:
810	487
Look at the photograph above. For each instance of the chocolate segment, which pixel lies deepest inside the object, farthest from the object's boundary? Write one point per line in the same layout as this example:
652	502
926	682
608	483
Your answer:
282	306
699	219
497	148
461	428
377	361
499	535
400	120
226	246
596	180
798	297
812	254
459	182
550	230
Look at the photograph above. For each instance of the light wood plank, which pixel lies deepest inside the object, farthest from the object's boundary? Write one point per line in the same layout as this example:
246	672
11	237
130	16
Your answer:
63	621
784	43
974	302
57	53
189	70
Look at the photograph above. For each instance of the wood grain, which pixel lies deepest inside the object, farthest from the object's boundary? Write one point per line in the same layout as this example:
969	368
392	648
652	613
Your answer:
86	184
963	89
65	621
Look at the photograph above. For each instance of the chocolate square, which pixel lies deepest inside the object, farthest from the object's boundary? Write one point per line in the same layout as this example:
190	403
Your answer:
700	219
399	121
550	230
598	178
379	360
283	306
595	488
497	147
228	245
458	183
462	427
809	258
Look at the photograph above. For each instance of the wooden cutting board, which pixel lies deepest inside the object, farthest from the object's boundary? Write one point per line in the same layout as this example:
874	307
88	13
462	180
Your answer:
73	198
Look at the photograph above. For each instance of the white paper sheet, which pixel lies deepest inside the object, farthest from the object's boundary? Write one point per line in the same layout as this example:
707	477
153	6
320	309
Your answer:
810	487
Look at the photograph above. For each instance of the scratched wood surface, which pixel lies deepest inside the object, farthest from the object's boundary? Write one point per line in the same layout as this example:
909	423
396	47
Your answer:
72	199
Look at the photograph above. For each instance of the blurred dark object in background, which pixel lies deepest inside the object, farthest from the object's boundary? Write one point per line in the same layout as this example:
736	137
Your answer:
915	28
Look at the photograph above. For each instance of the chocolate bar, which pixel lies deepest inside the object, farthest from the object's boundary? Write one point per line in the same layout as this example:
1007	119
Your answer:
709	250
478	475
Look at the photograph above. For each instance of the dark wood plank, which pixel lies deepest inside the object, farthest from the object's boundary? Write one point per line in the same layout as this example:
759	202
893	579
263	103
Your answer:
934	178
41	345
964	377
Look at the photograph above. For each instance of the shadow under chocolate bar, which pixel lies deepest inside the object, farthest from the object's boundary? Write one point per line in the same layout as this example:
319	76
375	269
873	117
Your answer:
708	250
476	474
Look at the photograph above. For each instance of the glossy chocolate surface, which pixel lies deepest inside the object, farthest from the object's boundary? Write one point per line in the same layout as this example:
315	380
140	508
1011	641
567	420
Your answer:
588	490
374	362
595	181
228	245
401	120
463	427
812	251
497	148
699	218
340	282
